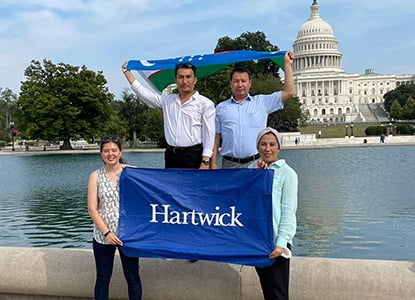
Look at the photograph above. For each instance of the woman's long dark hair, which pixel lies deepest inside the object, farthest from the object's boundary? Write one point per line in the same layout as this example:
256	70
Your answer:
115	140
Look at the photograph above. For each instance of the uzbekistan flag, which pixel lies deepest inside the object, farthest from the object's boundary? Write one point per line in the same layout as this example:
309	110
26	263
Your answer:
158	74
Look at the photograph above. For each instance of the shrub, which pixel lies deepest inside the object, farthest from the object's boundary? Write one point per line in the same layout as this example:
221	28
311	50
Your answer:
405	129
374	130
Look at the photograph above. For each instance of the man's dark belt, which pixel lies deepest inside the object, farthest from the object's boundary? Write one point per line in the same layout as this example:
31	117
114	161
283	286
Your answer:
242	160
183	149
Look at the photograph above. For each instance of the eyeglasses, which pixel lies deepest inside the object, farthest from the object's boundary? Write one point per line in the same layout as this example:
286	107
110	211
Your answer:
106	139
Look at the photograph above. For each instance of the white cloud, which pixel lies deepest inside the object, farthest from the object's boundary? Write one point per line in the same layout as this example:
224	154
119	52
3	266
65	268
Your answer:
101	34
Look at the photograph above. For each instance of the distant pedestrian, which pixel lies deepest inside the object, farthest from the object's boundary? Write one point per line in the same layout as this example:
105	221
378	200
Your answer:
296	141
319	134
382	138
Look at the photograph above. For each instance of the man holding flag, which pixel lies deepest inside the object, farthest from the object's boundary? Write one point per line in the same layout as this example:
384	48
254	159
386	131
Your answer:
240	118
189	119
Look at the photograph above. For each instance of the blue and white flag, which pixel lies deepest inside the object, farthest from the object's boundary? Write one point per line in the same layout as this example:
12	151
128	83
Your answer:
159	73
219	215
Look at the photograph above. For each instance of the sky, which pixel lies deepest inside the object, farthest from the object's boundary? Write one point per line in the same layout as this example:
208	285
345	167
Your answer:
102	34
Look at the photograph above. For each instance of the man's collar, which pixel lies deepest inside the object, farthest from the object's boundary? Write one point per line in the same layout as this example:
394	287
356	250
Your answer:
247	98
195	93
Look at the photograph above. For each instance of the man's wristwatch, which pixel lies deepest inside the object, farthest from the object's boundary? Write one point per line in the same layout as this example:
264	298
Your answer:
205	161
125	70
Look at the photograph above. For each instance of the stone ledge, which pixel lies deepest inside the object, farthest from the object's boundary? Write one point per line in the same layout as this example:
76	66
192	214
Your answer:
68	274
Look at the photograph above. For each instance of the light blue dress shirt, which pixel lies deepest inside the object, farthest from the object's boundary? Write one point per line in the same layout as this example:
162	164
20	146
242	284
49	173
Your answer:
284	202
239	123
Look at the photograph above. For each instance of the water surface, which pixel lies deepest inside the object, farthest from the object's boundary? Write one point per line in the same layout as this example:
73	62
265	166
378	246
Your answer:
353	202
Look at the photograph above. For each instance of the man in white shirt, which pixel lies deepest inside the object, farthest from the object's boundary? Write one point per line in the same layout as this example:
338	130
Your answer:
189	119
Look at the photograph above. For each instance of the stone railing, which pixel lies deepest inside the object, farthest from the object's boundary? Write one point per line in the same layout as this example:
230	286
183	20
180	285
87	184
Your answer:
48	273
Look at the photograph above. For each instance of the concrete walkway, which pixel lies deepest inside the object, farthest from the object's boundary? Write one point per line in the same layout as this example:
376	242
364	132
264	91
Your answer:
307	141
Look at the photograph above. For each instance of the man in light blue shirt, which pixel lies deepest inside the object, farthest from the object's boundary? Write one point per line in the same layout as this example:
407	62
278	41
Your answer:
240	118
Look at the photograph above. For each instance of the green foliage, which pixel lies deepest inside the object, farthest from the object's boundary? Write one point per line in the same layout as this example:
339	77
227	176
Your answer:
153	126
116	126
255	41
395	110
216	86
405	112
401	94
408	110
265	84
375	130
289	118
405	129
7	106
130	109
61	102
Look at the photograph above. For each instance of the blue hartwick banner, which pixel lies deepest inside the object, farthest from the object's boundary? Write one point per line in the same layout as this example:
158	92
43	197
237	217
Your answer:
219	215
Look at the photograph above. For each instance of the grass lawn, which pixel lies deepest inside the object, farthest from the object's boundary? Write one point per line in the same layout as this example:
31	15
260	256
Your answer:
335	131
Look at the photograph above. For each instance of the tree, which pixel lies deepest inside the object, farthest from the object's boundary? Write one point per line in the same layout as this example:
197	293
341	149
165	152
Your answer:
400	94
7	107
395	110
153	126
288	119
256	41
61	102
131	109
408	110
215	86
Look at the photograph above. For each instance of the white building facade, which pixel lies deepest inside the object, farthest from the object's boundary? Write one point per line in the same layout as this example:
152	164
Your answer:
328	94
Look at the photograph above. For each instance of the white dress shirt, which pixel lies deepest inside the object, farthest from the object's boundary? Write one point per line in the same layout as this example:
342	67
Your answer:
185	124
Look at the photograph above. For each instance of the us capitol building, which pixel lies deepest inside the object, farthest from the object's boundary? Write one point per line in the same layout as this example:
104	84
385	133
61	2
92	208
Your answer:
328	94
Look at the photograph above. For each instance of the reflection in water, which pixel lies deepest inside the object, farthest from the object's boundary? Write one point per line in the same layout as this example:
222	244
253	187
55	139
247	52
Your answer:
43	198
58	216
353	202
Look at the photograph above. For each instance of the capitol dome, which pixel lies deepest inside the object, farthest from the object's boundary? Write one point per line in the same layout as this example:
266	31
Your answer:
316	46
315	25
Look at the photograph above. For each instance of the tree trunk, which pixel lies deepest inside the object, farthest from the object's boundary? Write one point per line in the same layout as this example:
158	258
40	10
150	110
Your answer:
135	141
66	144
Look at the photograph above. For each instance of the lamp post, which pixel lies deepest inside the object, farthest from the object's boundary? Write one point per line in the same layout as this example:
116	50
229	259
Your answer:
351	129
12	133
347	130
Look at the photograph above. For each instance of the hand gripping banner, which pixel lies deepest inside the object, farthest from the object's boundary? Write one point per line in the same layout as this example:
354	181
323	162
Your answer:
219	215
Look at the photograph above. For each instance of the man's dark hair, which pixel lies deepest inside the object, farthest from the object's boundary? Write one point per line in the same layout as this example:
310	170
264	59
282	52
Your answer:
240	69
184	66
